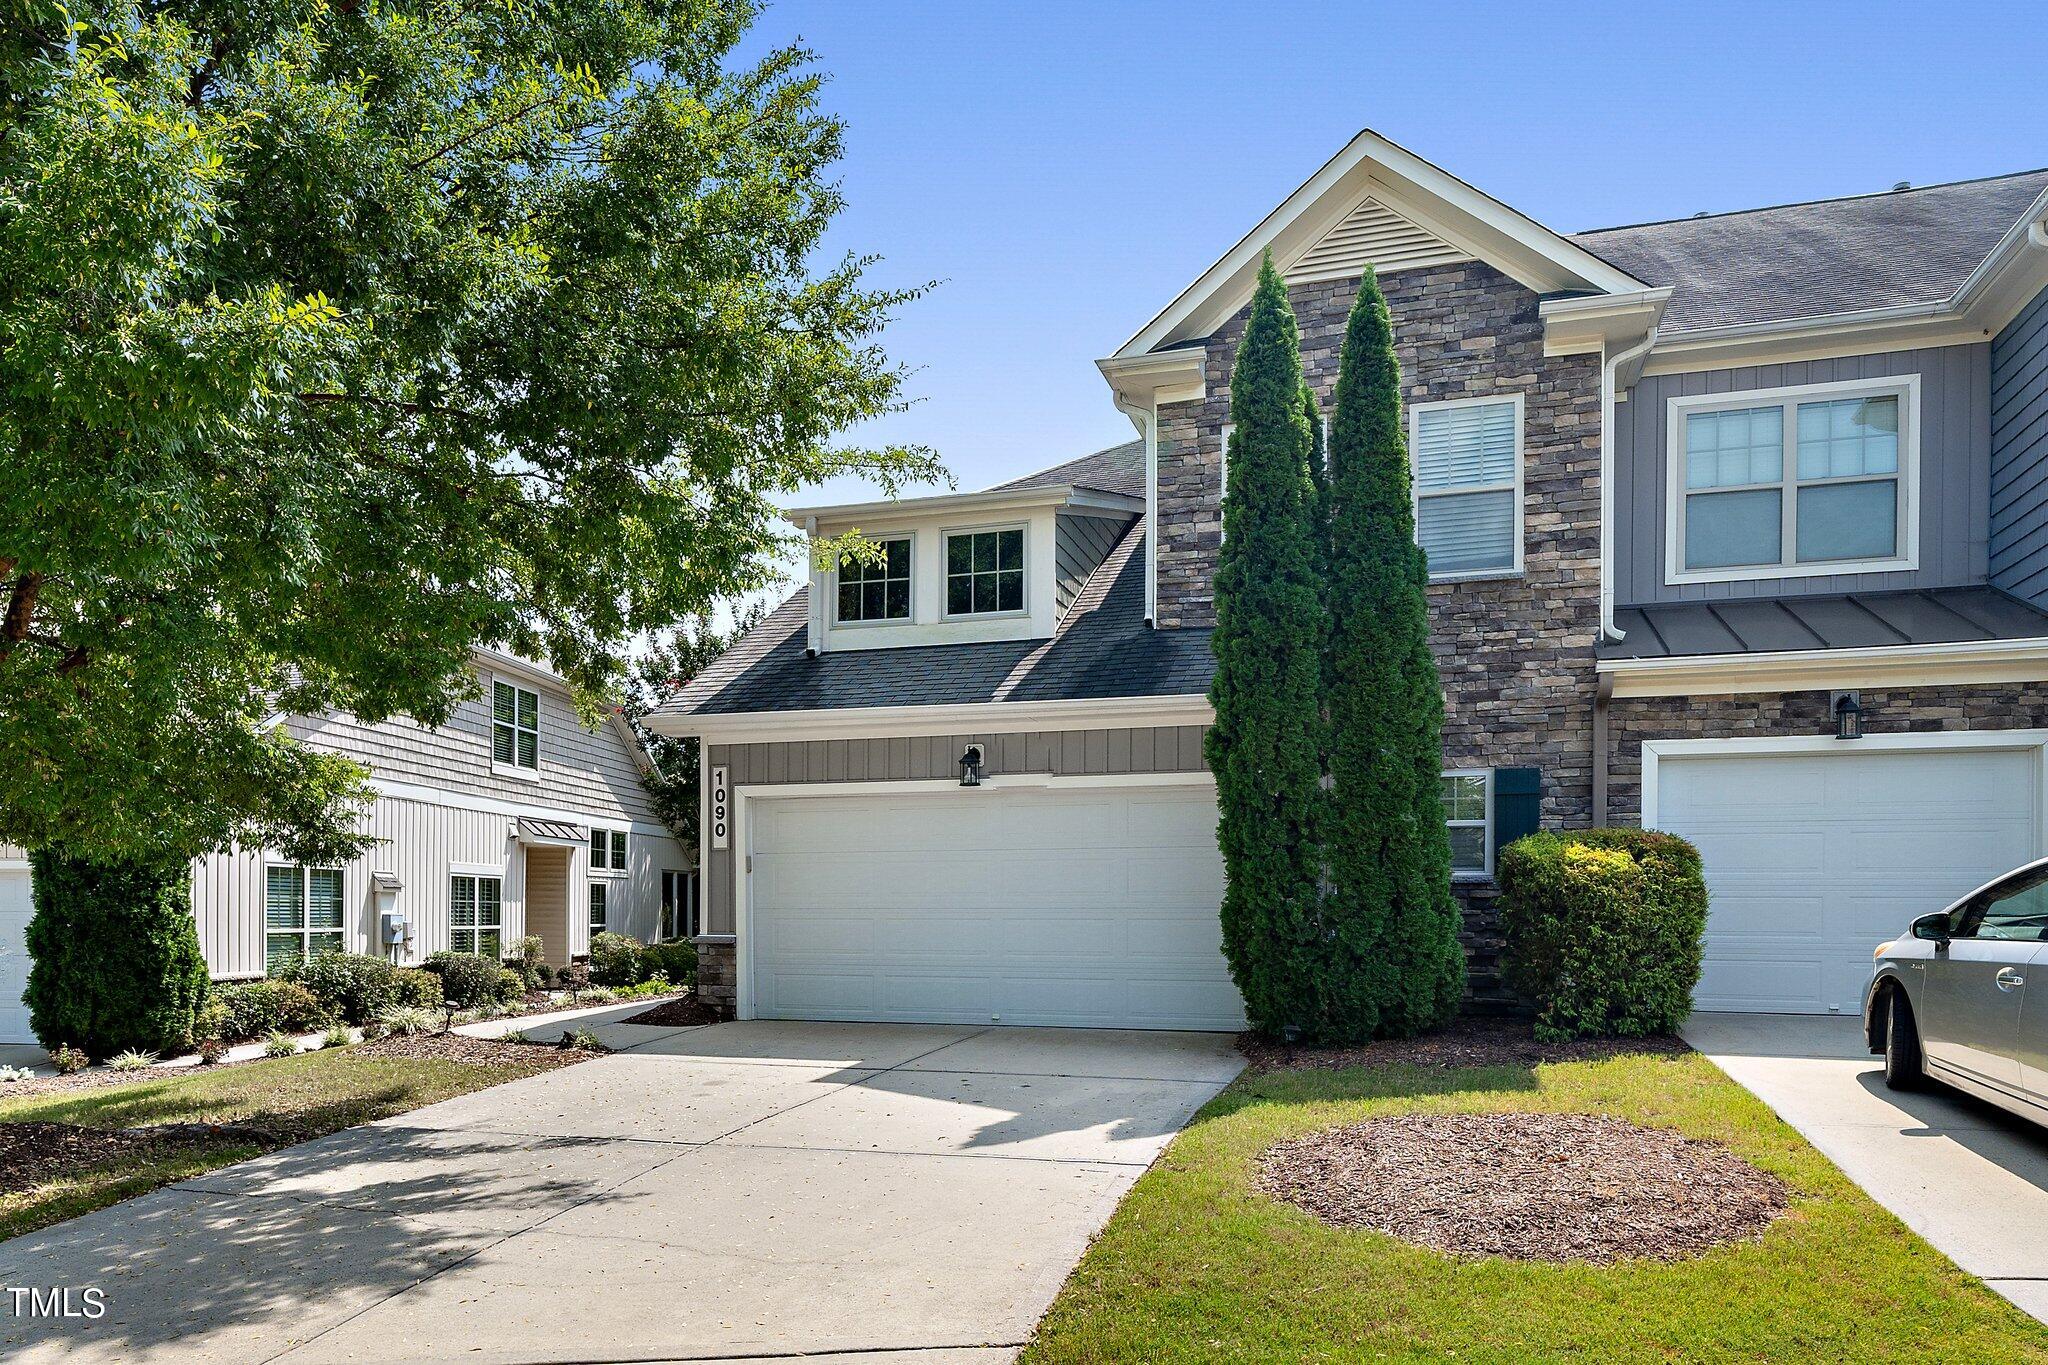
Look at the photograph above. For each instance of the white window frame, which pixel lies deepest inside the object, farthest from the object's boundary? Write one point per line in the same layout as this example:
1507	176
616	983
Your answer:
946	577
832	587
682	904
1485	820
1906	388
615	842
1417	496
304	933
478	873
514	768
600	894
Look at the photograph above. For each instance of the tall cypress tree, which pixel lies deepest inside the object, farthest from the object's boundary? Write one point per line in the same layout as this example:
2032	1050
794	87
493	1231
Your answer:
1392	924
1265	746
1318	481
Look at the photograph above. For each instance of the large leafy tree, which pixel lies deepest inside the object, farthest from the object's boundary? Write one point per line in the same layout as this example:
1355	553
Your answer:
1396	965
1265	744
671	660
339	335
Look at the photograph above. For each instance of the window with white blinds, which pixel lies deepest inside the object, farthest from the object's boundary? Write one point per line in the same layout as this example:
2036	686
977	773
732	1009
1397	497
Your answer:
303	914
1468	484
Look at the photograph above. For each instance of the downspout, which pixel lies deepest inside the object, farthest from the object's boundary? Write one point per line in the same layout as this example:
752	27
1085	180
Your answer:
1603	691
1610	367
814	626
1146	420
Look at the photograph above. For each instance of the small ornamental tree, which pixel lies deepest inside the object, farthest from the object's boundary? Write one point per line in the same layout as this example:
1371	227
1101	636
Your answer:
1396	967
116	954
1265	745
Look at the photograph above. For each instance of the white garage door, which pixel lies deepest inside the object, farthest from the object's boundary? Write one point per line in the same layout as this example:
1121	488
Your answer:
14	912
1813	859
1092	907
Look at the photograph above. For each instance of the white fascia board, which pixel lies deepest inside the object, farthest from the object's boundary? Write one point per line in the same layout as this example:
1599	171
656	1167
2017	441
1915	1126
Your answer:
2022	240
1049	495
1593	323
1158	377
880	722
492	805
1467	218
1813	670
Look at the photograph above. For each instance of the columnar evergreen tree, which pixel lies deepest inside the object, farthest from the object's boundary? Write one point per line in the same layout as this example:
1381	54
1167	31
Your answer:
1318	476
116	955
1392	926
1265	746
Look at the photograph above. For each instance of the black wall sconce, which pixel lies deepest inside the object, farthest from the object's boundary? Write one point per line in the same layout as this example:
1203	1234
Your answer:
970	766
1848	709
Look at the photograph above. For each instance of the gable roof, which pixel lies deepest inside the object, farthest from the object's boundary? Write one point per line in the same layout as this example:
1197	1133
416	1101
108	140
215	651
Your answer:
1822	258
1443	212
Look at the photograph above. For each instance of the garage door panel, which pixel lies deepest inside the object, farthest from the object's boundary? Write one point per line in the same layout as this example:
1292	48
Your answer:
1813	859
15	909
1033	907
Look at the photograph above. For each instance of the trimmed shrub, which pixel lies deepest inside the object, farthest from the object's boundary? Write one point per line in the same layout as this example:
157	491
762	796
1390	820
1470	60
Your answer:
116	962
1603	930
676	961
614	959
511	985
255	1008
573	977
527	961
416	987
354	986
467	979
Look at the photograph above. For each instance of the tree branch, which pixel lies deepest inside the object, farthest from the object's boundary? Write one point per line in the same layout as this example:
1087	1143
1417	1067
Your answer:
21	609
480	130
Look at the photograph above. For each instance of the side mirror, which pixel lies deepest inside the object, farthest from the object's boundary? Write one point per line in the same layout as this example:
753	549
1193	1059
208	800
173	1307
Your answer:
1933	927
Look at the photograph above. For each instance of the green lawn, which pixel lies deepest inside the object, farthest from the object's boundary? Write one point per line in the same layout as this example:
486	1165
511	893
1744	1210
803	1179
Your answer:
1197	1264
291	1098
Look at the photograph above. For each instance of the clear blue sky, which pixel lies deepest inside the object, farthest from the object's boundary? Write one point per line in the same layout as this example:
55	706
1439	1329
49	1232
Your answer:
1064	169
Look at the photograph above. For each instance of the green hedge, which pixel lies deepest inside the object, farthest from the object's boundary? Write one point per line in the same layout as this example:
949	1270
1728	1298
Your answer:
239	1011
1603	930
675	961
615	960
471	979
355	986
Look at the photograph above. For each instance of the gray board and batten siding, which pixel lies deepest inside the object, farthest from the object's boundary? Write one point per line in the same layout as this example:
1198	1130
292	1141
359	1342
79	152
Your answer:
1062	753
2019	454
1955	473
1080	544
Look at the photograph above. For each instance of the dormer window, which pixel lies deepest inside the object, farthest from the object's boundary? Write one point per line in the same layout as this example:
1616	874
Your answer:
877	590
515	727
985	571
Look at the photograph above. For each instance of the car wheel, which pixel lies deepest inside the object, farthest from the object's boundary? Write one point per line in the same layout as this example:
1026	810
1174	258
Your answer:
1902	1067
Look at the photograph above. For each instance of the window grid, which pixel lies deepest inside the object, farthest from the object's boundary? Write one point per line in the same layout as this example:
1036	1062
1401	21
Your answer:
878	591
515	726
1467	457
476	921
984	571
303	914
607	850
1468	814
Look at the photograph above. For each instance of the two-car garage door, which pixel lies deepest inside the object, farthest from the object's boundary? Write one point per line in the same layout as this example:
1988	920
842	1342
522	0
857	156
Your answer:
1813	858
1091	906
14	917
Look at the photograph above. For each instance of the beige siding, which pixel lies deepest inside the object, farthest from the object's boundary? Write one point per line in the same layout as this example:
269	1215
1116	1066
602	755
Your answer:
1159	749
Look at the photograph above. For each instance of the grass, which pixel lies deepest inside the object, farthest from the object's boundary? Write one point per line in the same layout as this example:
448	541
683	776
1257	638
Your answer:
1198	1265
293	1098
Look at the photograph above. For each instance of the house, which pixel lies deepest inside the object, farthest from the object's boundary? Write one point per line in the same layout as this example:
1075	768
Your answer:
512	819
1737	526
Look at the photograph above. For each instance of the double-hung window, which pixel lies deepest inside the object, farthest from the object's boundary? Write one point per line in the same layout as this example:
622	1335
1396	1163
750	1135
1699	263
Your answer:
515	726
302	914
984	571
679	906
1468	808
599	895
1468	485
1785	483
476	917
877	589
607	850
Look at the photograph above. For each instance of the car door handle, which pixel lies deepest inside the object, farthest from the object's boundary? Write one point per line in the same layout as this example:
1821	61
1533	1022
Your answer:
2008	979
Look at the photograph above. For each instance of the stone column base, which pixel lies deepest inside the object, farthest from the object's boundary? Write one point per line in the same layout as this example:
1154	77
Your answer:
718	972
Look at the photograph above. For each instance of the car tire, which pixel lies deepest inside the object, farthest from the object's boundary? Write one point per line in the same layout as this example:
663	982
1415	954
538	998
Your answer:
1903	1069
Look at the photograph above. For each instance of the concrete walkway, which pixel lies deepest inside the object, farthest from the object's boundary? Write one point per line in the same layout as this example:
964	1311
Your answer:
877	1192
1968	1177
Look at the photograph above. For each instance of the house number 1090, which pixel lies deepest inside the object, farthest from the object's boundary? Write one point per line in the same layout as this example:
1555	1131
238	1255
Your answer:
721	810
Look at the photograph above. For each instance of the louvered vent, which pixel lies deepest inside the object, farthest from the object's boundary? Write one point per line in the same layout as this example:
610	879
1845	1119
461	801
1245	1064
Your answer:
1372	234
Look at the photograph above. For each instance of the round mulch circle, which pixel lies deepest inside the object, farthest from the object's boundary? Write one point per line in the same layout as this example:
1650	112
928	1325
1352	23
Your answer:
1526	1186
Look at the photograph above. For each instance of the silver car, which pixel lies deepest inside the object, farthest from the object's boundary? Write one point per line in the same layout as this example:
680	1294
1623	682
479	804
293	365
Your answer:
1948	1001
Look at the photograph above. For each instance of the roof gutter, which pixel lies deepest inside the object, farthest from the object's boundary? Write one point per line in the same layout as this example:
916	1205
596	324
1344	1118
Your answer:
1610	370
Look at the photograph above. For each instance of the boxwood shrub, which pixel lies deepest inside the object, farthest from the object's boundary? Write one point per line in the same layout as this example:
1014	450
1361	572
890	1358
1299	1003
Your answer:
677	962
467	979
416	988
1603	930
241	1010
354	986
615	960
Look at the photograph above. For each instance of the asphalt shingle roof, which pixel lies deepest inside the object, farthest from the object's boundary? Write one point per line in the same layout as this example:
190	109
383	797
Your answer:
1851	621
1119	469
1103	648
1811	260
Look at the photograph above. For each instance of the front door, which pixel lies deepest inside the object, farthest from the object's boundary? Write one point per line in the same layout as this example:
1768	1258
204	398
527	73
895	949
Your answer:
1977	987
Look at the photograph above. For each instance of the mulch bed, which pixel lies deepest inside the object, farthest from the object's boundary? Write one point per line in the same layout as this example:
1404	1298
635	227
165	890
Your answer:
1465	1042
1526	1186
35	1154
460	1047
682	1012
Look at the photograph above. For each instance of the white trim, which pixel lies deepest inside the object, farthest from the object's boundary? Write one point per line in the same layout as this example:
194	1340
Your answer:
946	533
491	805
879	722
608	872
514	769
909	618
1788	398
305	931
742	828
498	870
1618	370
1943	741
14	865
1416	495
1810	670
940	504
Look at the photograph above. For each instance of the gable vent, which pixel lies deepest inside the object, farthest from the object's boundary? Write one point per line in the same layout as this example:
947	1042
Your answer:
1374	235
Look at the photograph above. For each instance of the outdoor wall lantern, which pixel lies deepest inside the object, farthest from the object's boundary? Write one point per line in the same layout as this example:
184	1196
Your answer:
970	766
1848	709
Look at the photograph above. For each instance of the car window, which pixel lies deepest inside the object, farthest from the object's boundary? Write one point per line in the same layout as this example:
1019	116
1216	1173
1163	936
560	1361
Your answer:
2015	911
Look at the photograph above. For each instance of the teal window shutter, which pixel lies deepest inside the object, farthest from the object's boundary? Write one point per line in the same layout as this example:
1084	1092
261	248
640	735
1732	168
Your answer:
1517	804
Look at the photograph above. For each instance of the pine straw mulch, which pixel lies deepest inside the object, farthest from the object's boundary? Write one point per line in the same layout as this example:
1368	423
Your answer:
685	1011
1526	1186
1463	1043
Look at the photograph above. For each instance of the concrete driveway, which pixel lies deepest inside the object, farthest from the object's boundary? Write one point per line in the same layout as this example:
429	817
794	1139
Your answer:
726	1193
1968	1177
